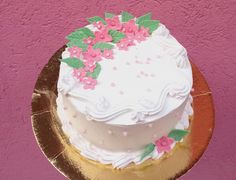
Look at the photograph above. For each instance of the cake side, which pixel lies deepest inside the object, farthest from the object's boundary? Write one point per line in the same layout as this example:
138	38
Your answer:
118	137
118	158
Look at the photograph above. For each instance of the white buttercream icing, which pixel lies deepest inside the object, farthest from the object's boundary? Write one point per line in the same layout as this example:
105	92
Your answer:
141	95
116	159
157	80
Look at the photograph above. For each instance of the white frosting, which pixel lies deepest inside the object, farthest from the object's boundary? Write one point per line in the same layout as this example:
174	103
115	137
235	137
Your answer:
116	159
141	95
149	80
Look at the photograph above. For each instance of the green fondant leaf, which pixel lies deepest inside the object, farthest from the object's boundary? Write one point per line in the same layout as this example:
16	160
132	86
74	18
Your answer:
96	19
150	24
86	31
76	35
80	34
73	62
177	134
116	35
103	45
109	15
125	16
96	71
148	150
78	43
144	18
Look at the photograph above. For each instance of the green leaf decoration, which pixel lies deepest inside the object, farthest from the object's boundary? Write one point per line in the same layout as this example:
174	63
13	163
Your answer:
80	34
96	19
148	150
102	46
96	71
86	31
78	43
109	15
151	24
76	35
144	18
125	16
177	134
73	62
116	35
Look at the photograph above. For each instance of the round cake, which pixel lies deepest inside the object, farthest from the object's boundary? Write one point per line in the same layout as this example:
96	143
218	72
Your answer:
124	90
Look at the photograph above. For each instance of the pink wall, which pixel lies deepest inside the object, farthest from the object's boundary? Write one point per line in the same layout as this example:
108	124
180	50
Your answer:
31	31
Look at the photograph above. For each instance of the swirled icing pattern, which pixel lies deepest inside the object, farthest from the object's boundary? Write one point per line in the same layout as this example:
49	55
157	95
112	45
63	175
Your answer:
142	84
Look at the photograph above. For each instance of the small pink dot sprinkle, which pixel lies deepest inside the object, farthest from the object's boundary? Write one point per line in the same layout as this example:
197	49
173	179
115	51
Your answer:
148	58
192	90
113	84
121	92
114	68
125	133
137	62
141	72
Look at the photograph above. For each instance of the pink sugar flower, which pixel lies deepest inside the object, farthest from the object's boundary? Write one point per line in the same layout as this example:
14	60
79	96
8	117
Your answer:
141	34
130	27
92	54
130	40
108	54
89	41
144	31
99	25
113	23
90	65
89	82
75	51
164	144
79	73
123	44
102	36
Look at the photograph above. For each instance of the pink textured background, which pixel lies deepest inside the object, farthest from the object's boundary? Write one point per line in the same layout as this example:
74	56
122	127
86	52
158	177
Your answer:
32	30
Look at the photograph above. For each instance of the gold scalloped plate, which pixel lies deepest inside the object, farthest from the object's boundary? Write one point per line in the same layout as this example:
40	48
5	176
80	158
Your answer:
67	159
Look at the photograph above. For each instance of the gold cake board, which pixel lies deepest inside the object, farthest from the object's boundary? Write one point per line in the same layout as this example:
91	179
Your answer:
67	159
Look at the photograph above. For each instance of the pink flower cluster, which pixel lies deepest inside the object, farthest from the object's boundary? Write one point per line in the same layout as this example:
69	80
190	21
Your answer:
90	59
91	56
130	29
132	33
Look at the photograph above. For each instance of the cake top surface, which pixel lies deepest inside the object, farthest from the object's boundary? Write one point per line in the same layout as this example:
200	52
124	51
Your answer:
139	78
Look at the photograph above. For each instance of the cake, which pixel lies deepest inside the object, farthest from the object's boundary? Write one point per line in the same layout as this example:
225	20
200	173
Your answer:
124	90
